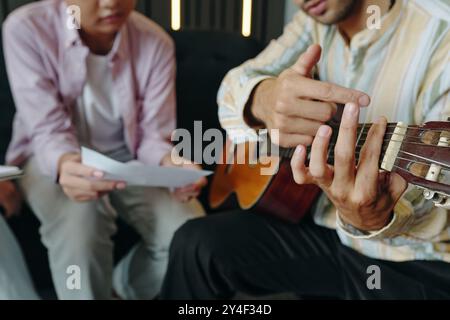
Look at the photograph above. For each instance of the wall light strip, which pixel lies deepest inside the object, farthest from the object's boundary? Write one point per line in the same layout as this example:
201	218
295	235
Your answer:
247	17
176	15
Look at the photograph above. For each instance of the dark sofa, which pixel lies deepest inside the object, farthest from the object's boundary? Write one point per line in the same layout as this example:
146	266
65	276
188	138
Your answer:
203	59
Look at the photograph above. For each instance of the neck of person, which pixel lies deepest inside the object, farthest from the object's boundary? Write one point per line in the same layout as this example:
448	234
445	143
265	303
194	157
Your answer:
99	44
357	20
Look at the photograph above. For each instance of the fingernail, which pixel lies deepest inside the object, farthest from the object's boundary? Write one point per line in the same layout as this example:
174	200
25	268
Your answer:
351	110
380	120
299	151
324	131
364	101
98	174
121	186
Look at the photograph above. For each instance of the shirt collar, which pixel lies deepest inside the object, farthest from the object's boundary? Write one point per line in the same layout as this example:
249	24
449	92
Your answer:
120	46
389	23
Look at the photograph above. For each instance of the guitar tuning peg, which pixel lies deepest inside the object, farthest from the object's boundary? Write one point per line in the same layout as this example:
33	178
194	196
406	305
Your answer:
443	202
439	199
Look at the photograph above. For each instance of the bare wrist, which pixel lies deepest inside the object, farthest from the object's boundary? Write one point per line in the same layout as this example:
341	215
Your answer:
368	225
253	111
67	157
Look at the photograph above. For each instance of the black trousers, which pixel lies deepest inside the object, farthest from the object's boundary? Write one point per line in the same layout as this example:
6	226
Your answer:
241	252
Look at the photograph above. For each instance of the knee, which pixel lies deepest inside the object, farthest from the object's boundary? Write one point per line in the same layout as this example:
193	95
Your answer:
196	238
190	236
219	238
78	231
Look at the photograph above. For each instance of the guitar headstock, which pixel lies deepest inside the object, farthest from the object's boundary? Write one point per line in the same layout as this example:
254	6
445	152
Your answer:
423	158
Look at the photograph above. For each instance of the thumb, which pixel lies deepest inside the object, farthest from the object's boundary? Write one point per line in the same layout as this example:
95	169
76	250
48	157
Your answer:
308	60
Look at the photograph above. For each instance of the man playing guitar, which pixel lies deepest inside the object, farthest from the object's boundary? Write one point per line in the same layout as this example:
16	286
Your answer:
366	219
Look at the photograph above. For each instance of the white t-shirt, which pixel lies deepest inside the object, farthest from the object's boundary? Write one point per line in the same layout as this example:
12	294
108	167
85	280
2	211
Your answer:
98	118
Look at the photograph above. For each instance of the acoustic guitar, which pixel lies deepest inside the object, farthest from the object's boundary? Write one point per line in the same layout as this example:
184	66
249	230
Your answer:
420	154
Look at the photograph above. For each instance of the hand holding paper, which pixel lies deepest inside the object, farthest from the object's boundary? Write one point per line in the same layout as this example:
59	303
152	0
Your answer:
138	174
82	183
186	193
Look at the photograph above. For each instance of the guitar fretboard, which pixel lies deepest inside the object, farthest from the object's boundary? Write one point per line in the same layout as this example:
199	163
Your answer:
362	132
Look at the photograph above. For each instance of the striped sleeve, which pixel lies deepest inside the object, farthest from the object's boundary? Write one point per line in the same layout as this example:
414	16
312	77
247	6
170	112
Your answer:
434	99
239	83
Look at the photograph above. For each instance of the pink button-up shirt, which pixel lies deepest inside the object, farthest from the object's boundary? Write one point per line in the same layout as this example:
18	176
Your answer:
46	64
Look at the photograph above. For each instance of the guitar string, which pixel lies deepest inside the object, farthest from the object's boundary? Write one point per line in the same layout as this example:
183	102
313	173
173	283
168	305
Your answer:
291	150
440	183
393	133
402	142
431	161
388	140
384	148
418	162
432	130
360	134
364	131
405	127
426	159
401	135
360	141
357	155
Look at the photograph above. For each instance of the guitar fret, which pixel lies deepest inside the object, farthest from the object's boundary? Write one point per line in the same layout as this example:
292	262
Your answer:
362	130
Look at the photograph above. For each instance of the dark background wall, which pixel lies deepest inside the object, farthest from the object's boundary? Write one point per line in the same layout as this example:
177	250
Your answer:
223	15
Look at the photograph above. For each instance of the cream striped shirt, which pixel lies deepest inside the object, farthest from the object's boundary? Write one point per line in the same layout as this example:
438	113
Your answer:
405	67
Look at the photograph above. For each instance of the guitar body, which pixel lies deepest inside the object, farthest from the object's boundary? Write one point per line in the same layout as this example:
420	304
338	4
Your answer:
274	192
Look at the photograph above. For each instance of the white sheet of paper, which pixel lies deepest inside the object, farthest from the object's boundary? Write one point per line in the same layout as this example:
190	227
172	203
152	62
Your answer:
7	172
138	174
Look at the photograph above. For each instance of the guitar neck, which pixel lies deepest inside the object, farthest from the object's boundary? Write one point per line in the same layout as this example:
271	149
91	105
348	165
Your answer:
362	132
420	154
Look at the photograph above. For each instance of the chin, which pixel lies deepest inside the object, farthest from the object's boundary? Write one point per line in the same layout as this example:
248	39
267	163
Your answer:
327	18
110	29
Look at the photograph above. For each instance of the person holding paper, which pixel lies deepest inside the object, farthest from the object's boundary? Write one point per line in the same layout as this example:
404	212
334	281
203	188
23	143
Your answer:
100	75
15	281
